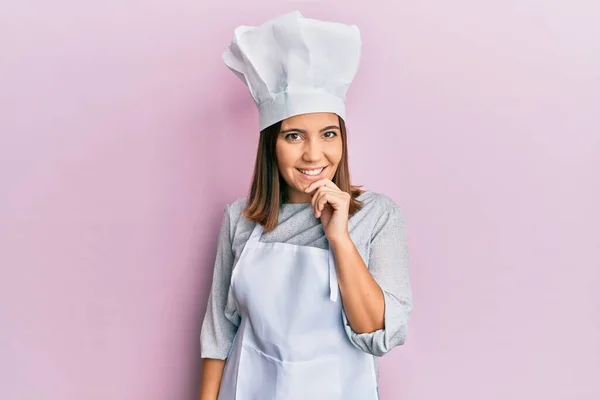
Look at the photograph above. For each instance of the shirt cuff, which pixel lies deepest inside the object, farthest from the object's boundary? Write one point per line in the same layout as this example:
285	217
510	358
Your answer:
381	341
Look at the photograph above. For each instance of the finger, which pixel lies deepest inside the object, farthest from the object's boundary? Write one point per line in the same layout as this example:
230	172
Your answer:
322	201
318	195
338	201
315	194
329	198
313	200
320	183
316	199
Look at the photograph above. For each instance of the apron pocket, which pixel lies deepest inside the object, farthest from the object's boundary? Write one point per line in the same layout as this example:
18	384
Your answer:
257	376
315	380
262	377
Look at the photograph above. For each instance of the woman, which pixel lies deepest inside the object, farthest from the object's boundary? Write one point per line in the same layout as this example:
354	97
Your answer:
311	280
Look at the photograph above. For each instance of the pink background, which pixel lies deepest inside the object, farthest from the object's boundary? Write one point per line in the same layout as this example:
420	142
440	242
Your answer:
123	135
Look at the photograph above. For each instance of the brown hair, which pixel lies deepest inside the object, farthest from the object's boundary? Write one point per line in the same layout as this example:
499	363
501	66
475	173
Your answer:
268	191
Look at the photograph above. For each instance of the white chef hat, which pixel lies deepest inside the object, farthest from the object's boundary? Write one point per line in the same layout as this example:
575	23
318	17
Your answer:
294	65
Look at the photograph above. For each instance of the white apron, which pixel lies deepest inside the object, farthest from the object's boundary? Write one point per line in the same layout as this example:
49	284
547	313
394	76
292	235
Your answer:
291	343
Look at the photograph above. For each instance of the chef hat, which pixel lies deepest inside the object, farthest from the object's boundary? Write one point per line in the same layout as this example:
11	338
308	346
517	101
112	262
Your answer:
294	65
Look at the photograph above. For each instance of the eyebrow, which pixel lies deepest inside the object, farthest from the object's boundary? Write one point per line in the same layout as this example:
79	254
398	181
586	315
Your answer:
329	127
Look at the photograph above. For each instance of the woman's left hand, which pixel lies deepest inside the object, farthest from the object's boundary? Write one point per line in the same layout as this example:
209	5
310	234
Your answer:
332	206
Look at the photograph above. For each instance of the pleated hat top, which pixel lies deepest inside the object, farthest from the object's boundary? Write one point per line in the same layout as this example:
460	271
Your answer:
294	65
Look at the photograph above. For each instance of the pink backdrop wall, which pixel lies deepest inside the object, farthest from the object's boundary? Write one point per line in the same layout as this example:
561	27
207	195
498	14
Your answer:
123	135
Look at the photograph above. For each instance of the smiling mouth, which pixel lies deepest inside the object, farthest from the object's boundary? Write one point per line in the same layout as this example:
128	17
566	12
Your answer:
312	172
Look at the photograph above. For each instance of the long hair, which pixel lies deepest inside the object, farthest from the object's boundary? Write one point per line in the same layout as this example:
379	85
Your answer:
269	190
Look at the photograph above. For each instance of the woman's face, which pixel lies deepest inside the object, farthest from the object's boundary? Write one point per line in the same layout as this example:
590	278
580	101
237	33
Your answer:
308	148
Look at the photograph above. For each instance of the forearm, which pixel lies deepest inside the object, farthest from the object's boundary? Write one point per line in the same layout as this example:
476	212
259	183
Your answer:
361	295
210	381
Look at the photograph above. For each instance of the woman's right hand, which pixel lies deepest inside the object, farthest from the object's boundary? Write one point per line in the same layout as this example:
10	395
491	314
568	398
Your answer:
210	381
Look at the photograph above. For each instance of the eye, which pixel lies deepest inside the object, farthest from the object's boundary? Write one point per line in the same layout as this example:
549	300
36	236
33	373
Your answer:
292	136
333	134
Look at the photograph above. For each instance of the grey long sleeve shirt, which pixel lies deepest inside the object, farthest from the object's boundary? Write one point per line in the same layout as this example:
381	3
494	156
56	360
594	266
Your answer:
377	231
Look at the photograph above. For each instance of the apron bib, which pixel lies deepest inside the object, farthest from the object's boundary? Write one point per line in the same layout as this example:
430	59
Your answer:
291	343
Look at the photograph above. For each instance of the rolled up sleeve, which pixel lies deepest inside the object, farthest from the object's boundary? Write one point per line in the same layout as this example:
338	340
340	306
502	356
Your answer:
389	265
218	332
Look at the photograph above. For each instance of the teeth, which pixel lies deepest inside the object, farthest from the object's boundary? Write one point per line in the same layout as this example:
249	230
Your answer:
312	172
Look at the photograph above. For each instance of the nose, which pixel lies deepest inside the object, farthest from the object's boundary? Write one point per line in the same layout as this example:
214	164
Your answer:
313	151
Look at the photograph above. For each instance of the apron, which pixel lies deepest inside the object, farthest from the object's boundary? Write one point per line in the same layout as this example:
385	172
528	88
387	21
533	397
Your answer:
291	343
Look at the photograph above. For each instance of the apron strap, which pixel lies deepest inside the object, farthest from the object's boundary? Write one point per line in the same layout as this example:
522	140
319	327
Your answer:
256	232
333	281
